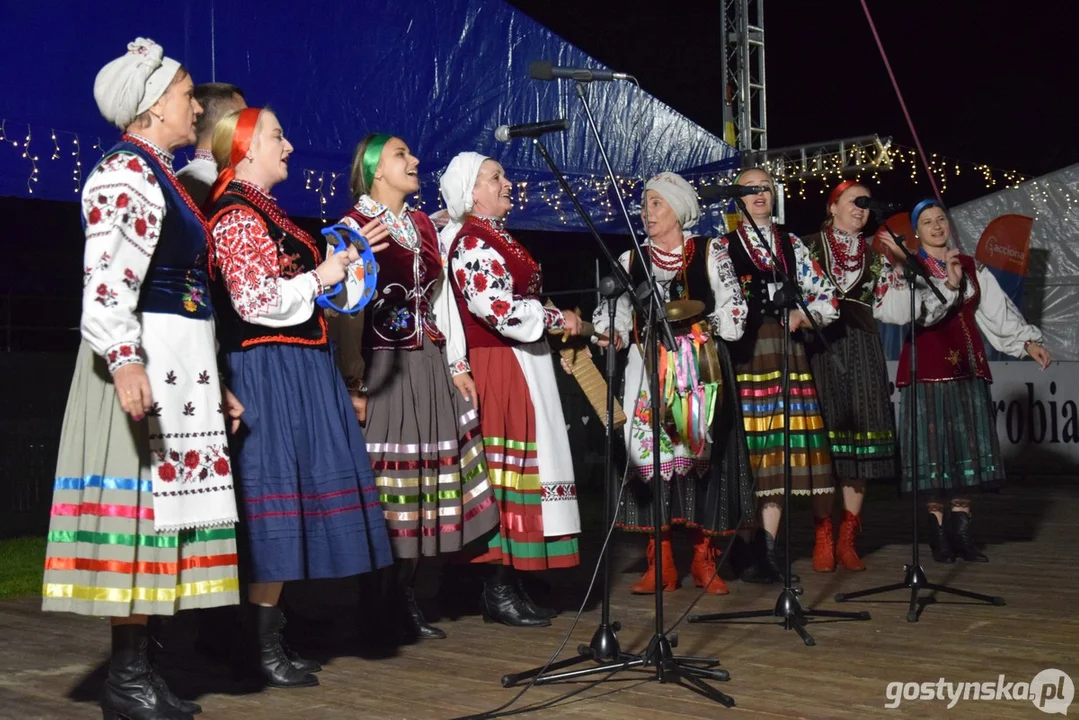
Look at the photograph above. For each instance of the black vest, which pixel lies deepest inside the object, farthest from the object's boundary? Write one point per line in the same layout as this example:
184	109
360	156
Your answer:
856	306
691	284
296	250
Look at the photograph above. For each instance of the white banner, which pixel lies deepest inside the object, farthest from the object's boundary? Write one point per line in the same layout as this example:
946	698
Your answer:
1036	414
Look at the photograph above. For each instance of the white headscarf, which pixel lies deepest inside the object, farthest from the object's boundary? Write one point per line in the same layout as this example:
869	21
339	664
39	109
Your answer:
131	84
680	195
456	187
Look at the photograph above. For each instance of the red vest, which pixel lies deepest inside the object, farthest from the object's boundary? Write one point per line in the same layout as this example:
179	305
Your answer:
951	349
400	314
522	269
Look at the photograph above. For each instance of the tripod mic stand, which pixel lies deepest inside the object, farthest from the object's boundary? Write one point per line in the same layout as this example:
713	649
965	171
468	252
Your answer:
604	646
689	672
787	605
914	578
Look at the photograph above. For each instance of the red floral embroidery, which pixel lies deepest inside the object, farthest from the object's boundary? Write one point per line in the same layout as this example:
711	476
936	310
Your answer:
192	464
479	282
499	307
134	165
470	243
94	216
125	351
122	200
140	227
497	269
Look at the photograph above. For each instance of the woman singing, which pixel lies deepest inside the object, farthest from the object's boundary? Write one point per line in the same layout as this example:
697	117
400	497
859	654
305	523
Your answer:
687	267
854	394
311	507
143	510
421	426
496	283
958	450
758	362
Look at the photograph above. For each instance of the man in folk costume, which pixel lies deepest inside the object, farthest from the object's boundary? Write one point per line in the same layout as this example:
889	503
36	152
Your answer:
217	101
495	284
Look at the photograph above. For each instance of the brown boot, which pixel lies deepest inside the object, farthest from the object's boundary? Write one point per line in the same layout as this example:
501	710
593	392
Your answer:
647	584
845	553
703	568
824	547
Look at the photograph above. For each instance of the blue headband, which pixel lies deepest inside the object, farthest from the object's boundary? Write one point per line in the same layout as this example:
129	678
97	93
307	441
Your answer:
919	209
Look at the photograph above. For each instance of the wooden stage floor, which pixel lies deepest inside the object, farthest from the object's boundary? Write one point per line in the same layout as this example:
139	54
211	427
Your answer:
52	665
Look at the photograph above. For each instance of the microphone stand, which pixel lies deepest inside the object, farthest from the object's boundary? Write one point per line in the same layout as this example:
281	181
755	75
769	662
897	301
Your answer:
787	605
688	672
914	578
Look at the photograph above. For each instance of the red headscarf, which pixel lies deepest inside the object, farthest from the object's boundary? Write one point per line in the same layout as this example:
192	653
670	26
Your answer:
841	188
241	143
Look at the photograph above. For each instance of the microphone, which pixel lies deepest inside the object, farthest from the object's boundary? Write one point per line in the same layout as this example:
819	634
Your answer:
505	133
732	191
543	70
881	206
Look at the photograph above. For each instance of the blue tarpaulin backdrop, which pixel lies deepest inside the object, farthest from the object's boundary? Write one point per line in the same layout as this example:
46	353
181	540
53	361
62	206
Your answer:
442	75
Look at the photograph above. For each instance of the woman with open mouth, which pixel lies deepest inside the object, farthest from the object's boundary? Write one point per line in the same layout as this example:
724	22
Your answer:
855	400
496	283
310	504
416	404
758	361
958	450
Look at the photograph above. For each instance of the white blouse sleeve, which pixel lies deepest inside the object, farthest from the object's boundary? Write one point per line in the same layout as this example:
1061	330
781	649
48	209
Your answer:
820	294
1000	320
448	321
123	209
729	317
623	312
892	298
247	259
480	273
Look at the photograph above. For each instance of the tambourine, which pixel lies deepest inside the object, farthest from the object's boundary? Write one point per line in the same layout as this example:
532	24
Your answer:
365	274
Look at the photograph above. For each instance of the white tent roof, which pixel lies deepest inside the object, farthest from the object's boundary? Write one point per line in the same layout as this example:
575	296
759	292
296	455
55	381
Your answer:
1052	285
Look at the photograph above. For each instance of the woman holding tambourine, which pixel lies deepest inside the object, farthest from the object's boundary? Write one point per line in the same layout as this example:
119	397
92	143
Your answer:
418	407
310	505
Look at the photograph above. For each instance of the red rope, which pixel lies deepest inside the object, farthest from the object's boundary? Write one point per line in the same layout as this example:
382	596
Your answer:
902	104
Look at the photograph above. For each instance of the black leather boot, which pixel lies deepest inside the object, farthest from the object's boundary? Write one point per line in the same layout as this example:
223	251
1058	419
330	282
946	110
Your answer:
417	623
274	665
962	540
530	605
938	542
130	692
153	630
502	604
765	569
301	664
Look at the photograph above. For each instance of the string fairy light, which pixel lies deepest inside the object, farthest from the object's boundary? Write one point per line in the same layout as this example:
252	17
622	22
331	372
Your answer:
76	171
55	146
33	161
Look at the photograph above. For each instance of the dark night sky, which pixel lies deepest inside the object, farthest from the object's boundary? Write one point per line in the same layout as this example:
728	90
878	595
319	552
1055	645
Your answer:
985	80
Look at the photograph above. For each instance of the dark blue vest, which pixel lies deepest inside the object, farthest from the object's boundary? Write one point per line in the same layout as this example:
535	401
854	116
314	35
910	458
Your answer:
176	281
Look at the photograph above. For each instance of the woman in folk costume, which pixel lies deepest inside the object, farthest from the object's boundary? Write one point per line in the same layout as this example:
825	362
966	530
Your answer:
310	503
143	514
758	359
855	400
495	284
687	267
958	450
422	429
